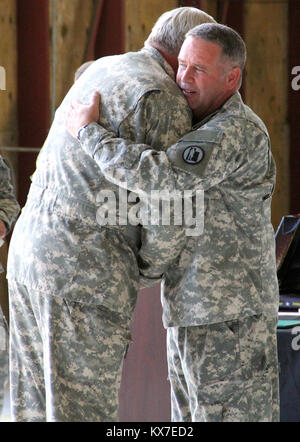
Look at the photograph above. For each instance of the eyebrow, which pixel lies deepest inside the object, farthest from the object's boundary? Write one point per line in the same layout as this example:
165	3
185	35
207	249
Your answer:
201	66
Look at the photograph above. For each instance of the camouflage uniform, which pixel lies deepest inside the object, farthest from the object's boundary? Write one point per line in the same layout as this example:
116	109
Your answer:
9	209
3	356
226	274
62	263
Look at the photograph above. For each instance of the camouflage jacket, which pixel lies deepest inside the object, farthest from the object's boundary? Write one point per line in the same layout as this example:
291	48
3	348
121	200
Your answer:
229	270
9	207
59	245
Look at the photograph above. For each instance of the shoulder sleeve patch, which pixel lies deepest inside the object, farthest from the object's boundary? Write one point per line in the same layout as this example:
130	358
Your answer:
194	150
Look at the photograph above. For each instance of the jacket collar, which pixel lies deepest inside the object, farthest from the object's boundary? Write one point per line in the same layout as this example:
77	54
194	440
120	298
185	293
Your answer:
154	53
233	105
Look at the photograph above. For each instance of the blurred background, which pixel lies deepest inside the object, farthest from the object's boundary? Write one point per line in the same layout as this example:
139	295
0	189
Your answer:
43	42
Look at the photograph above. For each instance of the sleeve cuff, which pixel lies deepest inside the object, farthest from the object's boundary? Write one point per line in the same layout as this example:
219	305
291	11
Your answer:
148	282
91	137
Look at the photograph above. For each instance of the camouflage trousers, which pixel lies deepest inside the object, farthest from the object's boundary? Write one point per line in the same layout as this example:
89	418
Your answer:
226	372
3	357
65	359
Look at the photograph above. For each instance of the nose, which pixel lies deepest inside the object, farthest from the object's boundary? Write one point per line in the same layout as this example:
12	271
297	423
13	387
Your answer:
186	75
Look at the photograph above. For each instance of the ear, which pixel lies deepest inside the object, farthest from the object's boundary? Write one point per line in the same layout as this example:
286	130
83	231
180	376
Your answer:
233	77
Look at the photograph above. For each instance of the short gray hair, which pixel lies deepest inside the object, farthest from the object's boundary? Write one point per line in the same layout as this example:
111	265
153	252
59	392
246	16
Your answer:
170	29
232	44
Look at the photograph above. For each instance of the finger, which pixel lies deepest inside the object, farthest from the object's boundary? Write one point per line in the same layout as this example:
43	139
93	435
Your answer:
96	98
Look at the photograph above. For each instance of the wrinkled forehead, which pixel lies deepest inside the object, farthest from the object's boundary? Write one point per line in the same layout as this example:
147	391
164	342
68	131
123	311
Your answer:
196	50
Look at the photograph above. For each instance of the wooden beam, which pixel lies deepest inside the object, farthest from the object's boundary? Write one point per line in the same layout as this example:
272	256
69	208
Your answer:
70	24
111	33
33	85
234	16
266	36
209	6
140	16
89	54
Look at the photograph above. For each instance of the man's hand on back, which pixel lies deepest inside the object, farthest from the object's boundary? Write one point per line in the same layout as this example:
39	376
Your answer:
80	114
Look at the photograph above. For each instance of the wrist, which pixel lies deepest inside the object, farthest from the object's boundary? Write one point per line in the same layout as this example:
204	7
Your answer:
80	131
91	138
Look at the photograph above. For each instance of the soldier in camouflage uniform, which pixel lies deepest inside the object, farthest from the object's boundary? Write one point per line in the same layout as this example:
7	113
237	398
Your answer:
220	298
73	283
9	210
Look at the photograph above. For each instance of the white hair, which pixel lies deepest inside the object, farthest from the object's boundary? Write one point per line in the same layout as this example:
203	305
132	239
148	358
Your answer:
171	27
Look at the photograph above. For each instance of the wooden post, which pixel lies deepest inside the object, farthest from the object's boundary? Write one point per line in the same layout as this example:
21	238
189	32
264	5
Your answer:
140	16
266	36
211	7
70	24
8	106
33	85
110	38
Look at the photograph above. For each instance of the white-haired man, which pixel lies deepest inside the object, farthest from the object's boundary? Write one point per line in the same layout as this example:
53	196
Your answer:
73	282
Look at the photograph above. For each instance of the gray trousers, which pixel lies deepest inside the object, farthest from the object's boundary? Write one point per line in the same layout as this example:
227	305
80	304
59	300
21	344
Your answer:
225	372
65	359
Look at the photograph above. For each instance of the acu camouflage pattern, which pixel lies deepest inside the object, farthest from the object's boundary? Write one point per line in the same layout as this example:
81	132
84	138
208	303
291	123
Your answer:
3	357
78	389
60	256
57	246
229	271
9	210
225	372
224	279
9	207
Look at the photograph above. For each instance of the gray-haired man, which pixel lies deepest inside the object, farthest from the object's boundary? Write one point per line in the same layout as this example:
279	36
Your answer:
73	283
220	298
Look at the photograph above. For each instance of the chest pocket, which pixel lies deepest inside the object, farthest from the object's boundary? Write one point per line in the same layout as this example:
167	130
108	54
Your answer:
193	152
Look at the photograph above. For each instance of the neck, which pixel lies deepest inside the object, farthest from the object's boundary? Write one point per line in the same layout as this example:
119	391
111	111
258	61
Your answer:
201	116
170	58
